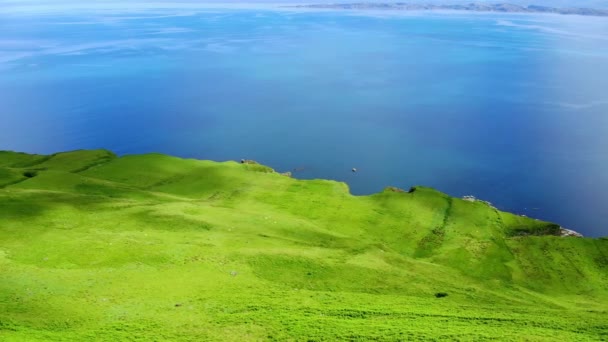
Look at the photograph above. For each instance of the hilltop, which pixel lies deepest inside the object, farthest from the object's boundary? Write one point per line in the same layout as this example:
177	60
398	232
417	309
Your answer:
154	247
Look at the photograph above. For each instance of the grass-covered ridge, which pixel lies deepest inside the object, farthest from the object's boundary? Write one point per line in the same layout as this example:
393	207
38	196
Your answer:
152	247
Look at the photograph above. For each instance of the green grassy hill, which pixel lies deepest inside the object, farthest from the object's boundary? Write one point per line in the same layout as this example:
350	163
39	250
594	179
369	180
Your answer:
154	248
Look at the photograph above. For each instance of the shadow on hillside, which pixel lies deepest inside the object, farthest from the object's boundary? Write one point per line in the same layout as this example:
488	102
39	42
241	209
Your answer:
24	206
20	208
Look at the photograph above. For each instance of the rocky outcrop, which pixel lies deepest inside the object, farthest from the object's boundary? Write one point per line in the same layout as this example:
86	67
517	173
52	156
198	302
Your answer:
470	198
568	232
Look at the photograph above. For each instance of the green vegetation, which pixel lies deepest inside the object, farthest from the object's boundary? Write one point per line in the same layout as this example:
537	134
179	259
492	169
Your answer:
153	248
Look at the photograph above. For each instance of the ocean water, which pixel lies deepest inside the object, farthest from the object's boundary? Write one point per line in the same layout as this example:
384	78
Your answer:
512	109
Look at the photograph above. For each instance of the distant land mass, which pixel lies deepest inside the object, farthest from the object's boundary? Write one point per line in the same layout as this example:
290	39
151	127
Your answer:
474	7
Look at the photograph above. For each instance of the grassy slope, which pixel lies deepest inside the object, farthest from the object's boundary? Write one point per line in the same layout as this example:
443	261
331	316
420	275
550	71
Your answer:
153	247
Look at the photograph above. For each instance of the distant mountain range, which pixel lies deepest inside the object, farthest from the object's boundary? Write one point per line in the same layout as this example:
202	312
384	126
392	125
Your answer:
475	7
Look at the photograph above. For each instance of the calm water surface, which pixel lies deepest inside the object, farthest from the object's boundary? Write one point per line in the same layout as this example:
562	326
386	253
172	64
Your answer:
509	108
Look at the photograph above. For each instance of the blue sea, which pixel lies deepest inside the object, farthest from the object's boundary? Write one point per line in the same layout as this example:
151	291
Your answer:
509	108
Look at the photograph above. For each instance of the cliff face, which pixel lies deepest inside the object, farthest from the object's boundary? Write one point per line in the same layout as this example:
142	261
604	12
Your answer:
109	241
